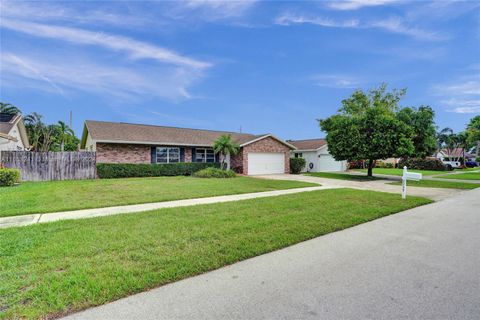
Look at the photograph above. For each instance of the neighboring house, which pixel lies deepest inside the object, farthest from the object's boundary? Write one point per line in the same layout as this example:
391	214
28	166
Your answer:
137	143
315	152
454	156
13	135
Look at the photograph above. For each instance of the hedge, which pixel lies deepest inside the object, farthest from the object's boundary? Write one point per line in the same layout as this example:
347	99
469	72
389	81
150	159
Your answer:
129	170
422	164
214	173
8	177
297	165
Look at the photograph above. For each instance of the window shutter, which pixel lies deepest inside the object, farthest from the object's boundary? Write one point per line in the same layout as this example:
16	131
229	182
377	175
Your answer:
182	154
153	152
194	155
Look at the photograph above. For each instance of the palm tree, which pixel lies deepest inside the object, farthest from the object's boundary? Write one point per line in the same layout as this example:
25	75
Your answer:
65	134
8	108
35	129
224	146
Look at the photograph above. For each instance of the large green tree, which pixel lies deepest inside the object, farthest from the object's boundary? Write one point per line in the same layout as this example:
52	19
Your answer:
473	133
367	127
421	121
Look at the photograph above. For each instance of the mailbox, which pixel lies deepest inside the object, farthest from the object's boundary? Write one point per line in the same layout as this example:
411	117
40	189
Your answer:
408	176
412	176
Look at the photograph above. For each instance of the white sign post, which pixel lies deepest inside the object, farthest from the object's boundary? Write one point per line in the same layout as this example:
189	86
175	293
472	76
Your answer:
408	176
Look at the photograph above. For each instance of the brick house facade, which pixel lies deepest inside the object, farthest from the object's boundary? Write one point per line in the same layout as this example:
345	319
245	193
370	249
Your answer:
240	161
132	143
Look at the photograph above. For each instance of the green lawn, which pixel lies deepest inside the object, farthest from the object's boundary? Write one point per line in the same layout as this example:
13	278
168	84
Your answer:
56	268
440	184
399	172
461	176
342	176
40	197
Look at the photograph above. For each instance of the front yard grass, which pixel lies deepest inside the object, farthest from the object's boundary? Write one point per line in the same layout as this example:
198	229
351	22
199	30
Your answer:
461	176
342	176
54	196
48	270
440	184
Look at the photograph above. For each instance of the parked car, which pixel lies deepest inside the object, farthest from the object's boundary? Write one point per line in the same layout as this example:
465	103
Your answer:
471	164
452	164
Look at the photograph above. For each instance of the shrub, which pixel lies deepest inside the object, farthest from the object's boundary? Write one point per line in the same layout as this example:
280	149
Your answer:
130	170
477	159
8	177
214	173
422	164
297	165
381	164
357	164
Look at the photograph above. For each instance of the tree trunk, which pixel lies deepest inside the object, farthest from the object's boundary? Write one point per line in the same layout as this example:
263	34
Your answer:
62	146
370	168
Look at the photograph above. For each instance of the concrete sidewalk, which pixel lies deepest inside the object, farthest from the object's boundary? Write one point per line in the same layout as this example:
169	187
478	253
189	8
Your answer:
419	264
436	194
19	221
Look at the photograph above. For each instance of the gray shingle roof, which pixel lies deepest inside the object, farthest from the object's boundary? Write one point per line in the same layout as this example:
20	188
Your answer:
309	144
140	133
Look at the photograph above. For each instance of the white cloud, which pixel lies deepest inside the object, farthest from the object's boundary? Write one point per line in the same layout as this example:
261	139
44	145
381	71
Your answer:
465	87
66	74
466	109
396	25
393	25
136	49
219	9
289	19
336	81
48	11
357	4
460	96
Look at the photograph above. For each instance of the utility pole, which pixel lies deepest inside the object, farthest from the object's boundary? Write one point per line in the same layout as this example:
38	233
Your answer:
70	124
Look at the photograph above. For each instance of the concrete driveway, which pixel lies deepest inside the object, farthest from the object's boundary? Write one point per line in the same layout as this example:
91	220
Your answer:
375	185
419	264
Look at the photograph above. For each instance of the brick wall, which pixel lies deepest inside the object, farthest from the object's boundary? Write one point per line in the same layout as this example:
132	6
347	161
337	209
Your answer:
269	144
123	153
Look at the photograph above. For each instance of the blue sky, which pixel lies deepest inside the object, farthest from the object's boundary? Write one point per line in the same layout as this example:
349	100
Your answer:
259	66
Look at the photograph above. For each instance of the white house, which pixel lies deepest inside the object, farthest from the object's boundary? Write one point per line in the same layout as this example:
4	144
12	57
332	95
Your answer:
315	152
13	135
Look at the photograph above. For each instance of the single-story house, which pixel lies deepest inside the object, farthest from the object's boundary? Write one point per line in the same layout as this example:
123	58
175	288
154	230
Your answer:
456	154
139	143
13	135
315	152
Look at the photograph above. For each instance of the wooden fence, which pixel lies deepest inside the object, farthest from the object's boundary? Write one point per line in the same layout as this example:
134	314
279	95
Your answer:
45	166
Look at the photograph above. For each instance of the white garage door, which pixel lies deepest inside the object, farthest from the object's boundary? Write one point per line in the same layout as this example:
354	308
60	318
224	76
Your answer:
327	163
266	163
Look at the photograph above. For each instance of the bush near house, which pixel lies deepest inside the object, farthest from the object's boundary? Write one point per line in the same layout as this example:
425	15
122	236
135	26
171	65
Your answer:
8	177
296	165
380	164
422	164
129	170
214	173
477	159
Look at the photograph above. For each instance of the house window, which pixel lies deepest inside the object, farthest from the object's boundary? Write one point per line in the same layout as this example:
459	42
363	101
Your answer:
204	155
168	155
298	155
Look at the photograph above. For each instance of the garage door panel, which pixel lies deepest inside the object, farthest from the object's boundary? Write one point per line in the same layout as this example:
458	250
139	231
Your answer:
266	163
327	163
